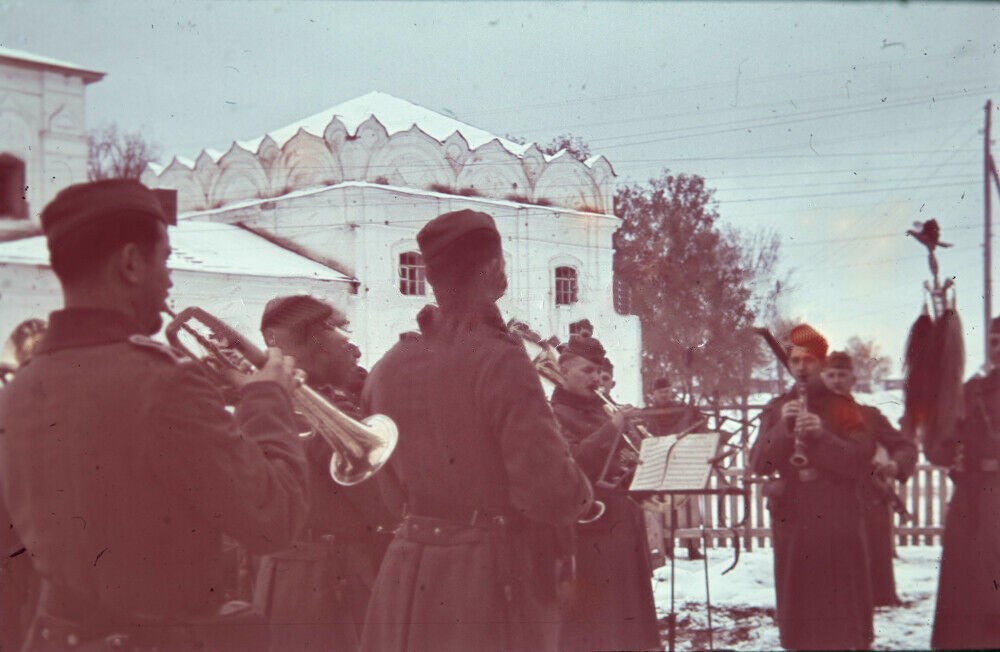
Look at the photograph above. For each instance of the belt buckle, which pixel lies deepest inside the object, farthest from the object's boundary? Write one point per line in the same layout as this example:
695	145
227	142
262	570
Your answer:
808	475
989	465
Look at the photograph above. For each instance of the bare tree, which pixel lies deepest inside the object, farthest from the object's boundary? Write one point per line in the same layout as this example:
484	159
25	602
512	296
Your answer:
116	154
870	364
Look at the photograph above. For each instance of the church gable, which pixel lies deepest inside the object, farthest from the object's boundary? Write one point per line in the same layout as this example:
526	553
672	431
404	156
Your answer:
382	139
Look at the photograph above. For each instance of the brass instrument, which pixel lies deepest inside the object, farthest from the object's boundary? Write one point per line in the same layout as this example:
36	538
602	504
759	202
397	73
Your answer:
545	359
360	449
798	458
20	346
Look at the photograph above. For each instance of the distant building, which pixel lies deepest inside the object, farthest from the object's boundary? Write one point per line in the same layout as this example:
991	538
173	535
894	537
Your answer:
43	136
350	187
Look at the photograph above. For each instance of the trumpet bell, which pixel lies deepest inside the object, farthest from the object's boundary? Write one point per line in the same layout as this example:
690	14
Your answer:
375	442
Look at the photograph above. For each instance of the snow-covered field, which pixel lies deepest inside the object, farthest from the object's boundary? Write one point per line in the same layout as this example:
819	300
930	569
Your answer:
743	601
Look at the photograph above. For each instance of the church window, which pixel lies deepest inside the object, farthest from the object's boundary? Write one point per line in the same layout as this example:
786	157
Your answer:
567	288
12	188
411	274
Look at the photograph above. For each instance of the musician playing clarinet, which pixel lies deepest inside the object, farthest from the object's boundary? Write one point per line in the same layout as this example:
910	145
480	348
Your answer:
316	592
121	467
612	606
816	444
895	458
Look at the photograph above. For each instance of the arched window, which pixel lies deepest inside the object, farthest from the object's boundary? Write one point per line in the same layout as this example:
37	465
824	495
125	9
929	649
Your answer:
411	273
567	288
12	187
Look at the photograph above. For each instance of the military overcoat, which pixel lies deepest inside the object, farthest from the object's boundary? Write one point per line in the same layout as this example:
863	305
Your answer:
822	576
485	477
612	606
122	469
967	614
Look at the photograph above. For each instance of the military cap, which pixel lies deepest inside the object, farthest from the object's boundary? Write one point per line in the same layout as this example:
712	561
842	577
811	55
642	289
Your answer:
582	326
298	309
439	234
839	360
85	205
589	348
806	337
662	383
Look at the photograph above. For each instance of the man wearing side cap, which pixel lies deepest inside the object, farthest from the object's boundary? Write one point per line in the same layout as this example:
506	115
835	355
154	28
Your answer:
817	444
895	458
611	606
967	612
315	593
120	465
485	476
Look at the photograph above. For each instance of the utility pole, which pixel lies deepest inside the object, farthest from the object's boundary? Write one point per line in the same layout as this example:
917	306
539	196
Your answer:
987	238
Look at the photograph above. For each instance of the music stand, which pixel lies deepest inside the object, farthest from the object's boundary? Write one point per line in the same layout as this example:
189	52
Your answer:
674	493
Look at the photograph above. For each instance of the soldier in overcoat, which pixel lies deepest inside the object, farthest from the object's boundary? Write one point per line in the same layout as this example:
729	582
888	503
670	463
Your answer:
895	459
483	474
822	579
967	614
121	466
315	592
611	607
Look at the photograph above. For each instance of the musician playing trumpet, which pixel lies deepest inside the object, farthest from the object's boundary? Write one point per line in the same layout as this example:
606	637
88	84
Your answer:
121	467
612	606
817	444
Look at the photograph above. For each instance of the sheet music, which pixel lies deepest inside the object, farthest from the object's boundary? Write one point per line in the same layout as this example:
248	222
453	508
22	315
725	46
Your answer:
672	464
652	463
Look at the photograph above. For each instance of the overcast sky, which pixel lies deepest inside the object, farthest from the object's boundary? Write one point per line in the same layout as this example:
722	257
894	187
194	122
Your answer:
836	125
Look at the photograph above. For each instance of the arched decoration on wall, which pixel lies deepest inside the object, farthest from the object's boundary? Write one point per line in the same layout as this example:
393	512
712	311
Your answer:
308	162
533	163
190	194
456	150
567	182
604	177
17	134
335	135
205	173
413	159
370	137
494	172
241	177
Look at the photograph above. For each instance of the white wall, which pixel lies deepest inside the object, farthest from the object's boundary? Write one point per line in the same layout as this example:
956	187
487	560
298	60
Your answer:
367	226
42	122
33	291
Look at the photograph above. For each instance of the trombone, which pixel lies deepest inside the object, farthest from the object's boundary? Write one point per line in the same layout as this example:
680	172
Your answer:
360	449
545	359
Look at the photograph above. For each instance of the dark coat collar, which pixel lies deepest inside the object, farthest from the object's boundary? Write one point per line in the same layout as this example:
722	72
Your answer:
560	395
75	327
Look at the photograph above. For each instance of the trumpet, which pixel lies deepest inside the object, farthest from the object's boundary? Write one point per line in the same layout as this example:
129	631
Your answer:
798	458
360	449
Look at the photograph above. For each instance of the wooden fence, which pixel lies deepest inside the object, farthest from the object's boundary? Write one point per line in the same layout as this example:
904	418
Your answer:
926	496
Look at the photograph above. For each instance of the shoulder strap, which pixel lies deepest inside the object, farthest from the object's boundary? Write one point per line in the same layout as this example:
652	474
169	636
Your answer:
147	344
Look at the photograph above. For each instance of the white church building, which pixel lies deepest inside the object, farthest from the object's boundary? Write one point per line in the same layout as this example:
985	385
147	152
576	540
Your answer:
350	187
329	205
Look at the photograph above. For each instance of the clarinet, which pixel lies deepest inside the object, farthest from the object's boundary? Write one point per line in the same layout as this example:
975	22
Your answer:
798	458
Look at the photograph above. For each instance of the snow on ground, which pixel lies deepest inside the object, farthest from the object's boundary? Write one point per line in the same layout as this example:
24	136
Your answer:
743	601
